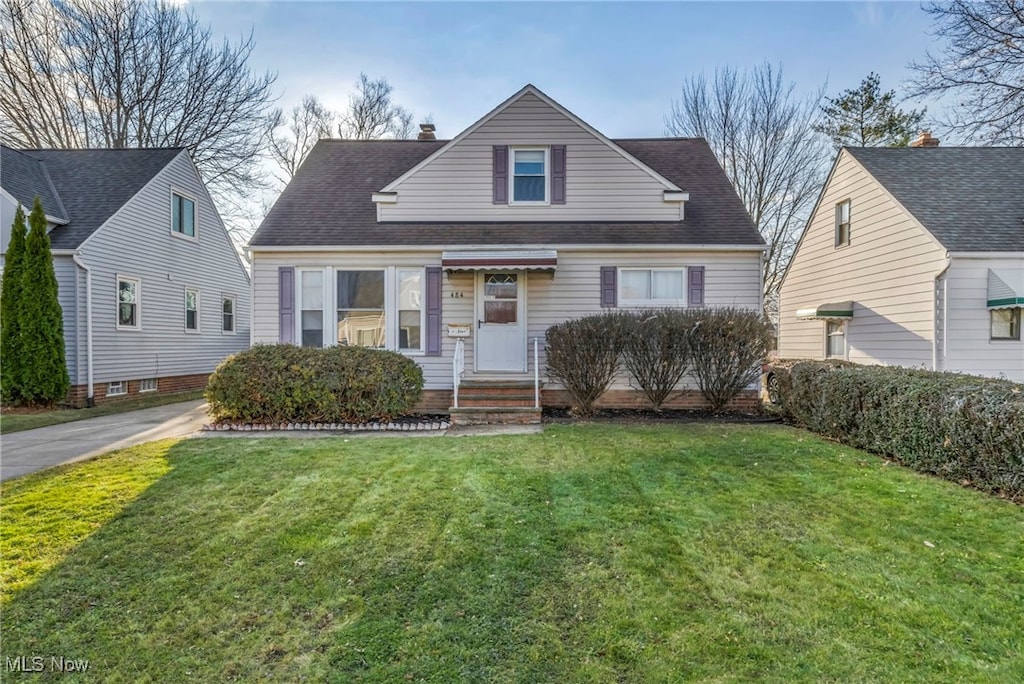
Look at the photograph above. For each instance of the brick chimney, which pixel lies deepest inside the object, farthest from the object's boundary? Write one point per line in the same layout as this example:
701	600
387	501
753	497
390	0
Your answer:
427	132
925	139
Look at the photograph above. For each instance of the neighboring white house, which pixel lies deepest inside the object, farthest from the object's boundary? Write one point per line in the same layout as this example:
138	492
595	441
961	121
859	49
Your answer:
153	292
913	257
465	251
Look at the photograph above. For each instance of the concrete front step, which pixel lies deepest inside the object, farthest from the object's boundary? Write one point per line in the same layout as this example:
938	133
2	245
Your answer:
494	415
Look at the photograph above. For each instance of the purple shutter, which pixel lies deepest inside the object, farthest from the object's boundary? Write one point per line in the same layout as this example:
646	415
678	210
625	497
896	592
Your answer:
286	304
500	174
695	291
558	174
609	286
433	311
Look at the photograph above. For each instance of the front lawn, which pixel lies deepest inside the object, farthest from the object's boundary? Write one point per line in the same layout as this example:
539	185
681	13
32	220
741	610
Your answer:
590	553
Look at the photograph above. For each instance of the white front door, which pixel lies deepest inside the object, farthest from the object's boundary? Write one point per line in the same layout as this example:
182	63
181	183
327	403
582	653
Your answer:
501	322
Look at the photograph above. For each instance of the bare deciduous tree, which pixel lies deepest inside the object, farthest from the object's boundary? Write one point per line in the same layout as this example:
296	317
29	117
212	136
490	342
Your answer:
763	135
982	65
371	114
124	73
294	135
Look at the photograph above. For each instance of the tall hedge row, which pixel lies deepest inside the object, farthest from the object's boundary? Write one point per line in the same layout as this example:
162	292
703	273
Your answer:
963	428
283	383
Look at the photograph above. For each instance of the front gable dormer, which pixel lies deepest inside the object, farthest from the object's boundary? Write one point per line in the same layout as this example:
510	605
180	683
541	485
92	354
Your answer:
530	159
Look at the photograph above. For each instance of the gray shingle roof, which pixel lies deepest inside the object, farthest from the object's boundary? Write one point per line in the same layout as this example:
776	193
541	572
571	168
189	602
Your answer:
328	202
24	177
970	198
90	184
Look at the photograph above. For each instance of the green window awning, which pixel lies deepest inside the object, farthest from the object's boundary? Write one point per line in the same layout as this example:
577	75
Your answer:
842	310
1003	295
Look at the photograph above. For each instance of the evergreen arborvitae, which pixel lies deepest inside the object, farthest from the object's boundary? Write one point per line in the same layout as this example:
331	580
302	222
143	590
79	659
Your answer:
11	356
44	378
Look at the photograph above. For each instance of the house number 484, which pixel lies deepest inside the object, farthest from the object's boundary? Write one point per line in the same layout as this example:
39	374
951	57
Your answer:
454	294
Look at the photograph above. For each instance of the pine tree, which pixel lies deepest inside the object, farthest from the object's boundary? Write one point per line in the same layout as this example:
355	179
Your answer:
11	356
44	371
867	117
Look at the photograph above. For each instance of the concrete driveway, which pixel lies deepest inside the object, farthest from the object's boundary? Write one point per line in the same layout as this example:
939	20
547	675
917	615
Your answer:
31	450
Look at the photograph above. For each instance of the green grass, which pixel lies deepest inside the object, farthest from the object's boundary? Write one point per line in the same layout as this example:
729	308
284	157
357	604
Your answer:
16	422
590	553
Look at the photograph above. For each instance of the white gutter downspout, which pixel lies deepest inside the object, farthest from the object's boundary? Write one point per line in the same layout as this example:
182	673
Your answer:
88	329
945	315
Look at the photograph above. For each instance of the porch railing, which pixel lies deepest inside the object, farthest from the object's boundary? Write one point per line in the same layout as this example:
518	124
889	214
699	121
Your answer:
458	368
536	374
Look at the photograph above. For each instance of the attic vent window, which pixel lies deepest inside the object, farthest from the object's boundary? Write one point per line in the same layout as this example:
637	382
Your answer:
529	175
183	215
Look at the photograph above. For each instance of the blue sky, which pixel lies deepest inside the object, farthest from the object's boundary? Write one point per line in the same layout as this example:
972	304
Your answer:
618	65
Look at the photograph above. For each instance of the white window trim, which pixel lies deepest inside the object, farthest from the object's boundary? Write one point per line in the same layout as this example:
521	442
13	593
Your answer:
117	302
122	388
849	224
199	307
846	347
156	384
195	217
327	301
330	310
423	311
625	303
234	314
512	175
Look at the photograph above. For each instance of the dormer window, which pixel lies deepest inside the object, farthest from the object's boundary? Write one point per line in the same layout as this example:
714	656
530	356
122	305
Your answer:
529	175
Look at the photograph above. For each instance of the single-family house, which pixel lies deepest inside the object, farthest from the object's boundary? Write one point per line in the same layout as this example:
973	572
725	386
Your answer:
913	257
154	293
461	253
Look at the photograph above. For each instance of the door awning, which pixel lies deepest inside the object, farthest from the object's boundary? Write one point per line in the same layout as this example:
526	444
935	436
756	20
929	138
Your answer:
501	259
840	310
1003	295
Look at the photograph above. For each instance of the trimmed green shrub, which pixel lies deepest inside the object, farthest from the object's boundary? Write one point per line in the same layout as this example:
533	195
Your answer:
964	428
283	383
10	303
656	350
727	347
44	374
583	356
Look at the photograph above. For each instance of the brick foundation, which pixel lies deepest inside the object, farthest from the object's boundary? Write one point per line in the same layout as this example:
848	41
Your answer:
747	400
168	385
439	401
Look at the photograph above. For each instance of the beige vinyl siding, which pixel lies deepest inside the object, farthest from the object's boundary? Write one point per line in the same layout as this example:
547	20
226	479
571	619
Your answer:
137	242
888	270
969	348
573	291
601	185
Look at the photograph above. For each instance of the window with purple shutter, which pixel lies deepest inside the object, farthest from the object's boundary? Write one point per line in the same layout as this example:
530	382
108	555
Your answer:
286	304
433	347
609	286
695	289
500	174
558	174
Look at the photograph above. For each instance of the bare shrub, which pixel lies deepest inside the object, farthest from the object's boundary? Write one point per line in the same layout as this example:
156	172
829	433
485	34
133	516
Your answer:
583	356
727	347
656	351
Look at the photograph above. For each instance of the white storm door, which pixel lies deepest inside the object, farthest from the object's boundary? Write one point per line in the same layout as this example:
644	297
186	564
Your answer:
501	323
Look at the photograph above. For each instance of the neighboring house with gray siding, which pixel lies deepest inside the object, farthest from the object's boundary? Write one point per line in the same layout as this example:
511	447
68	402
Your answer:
463	252
153	291
913	257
